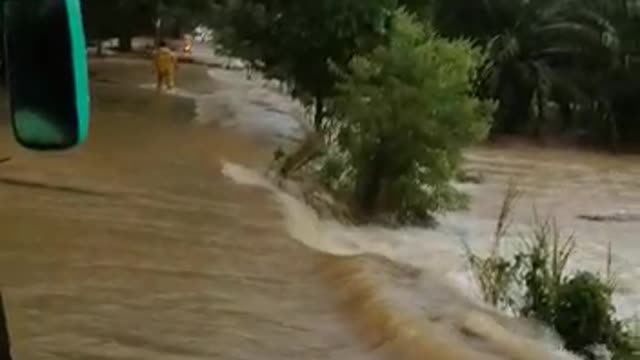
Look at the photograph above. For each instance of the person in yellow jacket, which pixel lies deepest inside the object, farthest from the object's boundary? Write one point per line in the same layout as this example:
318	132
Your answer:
165	63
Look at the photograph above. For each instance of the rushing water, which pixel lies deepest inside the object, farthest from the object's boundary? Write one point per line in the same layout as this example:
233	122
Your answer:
560	185
159	239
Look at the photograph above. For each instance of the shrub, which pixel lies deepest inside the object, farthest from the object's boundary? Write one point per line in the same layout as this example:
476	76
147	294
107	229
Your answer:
584	317
533	283
404	112
495	274
543	263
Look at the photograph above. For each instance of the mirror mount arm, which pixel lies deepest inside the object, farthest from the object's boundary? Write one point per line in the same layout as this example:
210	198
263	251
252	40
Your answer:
5	346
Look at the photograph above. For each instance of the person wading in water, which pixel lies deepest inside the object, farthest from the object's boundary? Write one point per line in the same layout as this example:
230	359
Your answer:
164	63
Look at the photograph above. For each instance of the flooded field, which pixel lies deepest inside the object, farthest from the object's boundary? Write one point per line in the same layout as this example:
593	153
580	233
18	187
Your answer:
159	239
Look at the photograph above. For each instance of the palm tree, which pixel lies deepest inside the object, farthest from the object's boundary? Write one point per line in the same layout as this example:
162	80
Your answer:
528	58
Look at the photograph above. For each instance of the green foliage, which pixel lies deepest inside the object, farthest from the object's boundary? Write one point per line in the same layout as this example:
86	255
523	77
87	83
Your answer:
299	42
634	335
403	114
544	261
584	316
494	274
558	68
533	283
528	60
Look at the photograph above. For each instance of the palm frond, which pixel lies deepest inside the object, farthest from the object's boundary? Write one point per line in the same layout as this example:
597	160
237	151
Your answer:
503	47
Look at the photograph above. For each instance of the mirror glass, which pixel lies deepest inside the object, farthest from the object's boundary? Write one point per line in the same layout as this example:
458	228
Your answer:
47	76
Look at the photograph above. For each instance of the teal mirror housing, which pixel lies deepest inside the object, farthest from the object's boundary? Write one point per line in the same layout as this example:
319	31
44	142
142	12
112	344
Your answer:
46	72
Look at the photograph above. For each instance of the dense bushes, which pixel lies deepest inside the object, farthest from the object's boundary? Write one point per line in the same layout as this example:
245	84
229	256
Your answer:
402	115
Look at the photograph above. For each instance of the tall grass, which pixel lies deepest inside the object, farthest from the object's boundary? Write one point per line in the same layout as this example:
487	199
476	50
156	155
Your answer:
495	275
534	283
635	338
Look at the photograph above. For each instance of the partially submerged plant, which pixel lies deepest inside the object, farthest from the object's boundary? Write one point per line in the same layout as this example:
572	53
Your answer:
494	274
534	283
544	260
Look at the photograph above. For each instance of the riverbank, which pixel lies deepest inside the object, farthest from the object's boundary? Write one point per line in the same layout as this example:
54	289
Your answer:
354	275
559	182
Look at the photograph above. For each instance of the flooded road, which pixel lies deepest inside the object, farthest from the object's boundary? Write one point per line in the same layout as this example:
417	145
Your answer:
157	240
134	246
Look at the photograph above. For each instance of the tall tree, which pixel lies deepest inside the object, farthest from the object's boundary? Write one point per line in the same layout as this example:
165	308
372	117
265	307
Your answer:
122	19
405	111
178	16
299	42
125	19
544	40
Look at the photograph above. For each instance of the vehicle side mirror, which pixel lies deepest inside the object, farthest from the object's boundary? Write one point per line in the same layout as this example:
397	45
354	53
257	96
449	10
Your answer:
47	77
5	346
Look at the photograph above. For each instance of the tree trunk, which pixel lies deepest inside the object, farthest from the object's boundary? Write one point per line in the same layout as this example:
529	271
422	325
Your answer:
125	43
158	33
3	72
370	184
3	65
157	24
99	47
614	134
176	31
567	116
540	116
311	148
5	347
318	115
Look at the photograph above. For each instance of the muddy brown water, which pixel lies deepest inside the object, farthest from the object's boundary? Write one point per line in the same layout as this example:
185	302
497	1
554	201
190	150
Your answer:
565	185
137	246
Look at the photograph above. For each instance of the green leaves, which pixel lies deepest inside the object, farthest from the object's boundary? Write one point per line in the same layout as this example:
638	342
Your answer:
299	42
407	112
531	44
534	282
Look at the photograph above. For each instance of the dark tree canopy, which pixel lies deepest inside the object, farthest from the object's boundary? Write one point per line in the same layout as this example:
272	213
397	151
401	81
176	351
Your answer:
300	42
127	18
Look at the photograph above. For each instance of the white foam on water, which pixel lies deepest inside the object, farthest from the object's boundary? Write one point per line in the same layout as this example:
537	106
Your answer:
261	111
244	176
438	251
255	108
173	92
438	262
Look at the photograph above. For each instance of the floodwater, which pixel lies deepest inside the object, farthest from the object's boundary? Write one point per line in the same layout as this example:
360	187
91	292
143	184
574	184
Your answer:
556	184
160	239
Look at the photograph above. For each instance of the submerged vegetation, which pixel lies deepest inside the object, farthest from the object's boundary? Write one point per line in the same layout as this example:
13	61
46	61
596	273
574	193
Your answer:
533	282
402	115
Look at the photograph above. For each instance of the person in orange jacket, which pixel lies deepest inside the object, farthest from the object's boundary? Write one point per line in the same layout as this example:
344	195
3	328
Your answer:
165	63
